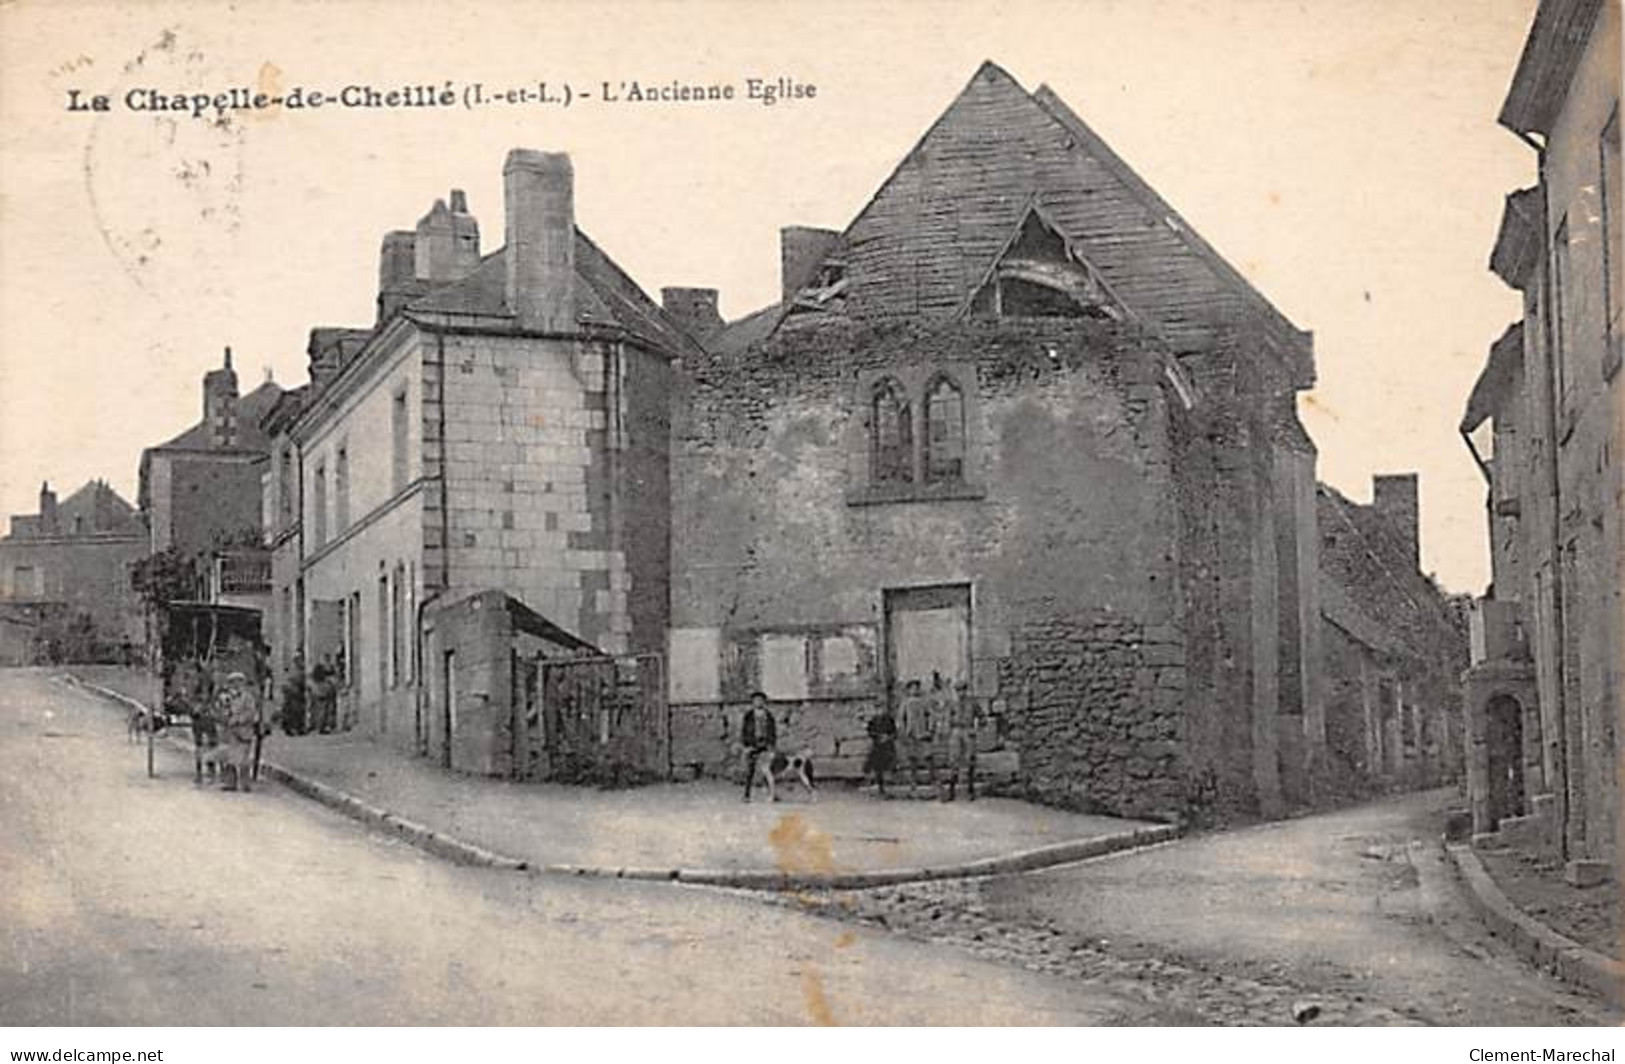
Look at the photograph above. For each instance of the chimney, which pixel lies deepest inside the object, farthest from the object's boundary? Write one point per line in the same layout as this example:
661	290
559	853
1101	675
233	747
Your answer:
694	308
1394	497
47	508
220	404
448	241
540	229
323	356
801	249
397	268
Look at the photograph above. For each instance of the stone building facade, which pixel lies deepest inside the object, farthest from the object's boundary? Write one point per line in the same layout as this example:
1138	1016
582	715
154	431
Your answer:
65	575
1393	645
502	426
1544	422
1016	426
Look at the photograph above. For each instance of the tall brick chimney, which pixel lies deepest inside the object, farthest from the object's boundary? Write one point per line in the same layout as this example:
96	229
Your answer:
1395	497
541	235
801	249
694	308
447	247
220	403
47	508
397	268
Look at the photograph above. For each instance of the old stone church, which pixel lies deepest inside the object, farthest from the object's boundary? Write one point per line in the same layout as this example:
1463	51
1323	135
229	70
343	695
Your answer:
1016	426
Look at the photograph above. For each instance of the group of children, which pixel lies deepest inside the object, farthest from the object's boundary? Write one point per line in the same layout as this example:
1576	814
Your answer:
937	732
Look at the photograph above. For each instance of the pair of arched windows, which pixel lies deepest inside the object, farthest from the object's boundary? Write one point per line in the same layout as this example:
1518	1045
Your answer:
941	457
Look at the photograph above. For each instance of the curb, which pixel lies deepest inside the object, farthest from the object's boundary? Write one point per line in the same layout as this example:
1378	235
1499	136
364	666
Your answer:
457	850
1532	940
423	837
761	879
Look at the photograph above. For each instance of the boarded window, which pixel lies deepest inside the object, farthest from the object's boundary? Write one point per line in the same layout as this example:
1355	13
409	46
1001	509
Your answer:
945	431
893	445
696	656
784	667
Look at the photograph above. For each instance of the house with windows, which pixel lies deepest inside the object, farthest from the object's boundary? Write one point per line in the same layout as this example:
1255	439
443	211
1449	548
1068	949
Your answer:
200	491
494	444
65	579
1543	421
1017	426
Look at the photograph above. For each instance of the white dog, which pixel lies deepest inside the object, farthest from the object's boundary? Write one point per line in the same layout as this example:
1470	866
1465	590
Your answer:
772	766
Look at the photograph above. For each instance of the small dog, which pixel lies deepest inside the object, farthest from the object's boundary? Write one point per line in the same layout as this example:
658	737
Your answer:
141	721
772	766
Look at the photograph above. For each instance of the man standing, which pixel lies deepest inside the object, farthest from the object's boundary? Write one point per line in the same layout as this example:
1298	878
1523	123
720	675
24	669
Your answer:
961	741
237	714
759	733
919	730
882	747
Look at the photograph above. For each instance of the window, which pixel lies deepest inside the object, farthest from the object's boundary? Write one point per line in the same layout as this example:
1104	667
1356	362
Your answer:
383	640
318	506
397	626
341	488
352	662
285	487
1613	234
398	426
893	447
944	432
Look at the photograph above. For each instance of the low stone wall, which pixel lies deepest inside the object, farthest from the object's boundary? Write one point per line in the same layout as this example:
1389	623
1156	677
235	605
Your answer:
1095	709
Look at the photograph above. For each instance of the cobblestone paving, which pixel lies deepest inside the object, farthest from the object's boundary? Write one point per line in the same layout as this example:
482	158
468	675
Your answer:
1176	992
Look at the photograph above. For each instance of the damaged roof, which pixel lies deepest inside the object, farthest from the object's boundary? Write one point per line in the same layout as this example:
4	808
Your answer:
928	237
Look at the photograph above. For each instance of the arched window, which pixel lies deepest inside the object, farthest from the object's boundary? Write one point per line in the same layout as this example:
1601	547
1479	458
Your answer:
944	431
892	444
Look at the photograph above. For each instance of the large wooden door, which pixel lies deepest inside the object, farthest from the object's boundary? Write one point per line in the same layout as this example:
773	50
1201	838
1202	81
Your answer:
928	633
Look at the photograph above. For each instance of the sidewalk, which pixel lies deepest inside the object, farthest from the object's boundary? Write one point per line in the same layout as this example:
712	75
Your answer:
1589	916
697	832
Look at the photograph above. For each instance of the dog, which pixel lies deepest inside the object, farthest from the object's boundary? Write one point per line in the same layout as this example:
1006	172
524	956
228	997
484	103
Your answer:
142	720
773	765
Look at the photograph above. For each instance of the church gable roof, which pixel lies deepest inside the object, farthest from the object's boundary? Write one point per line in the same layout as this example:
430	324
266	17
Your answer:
929	236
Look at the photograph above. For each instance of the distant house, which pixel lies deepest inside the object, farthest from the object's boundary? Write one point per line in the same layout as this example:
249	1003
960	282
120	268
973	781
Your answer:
201	490
1543	421
65	577
502	427
1017	426
1392	647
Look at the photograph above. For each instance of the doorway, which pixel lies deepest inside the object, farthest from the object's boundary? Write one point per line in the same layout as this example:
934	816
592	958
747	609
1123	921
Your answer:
928	633
1504	743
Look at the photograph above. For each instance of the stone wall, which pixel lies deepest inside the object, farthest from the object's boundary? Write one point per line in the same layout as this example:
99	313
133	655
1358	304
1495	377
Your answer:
210	498
1063	529
554	452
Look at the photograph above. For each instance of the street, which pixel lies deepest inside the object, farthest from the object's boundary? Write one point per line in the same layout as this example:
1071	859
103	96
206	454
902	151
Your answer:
132	901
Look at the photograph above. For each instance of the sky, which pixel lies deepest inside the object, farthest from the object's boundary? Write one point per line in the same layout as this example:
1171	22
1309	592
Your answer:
1343	154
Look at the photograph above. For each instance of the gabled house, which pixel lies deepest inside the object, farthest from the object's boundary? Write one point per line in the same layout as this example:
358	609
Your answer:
201	490
501	427
65	576
1544	421
1016	426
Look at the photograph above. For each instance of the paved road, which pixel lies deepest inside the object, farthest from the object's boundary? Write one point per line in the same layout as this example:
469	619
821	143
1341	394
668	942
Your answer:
1357	909
144	902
